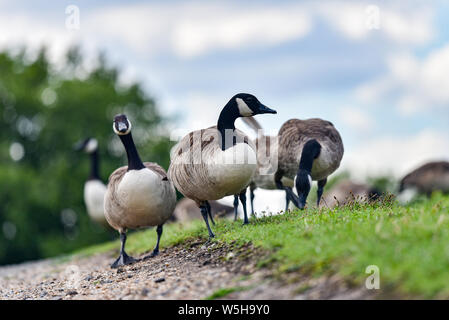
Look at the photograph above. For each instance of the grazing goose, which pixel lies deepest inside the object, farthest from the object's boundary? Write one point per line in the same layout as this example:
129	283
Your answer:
138	195
219	161
267	161
94	188
308	150
347	191
430	177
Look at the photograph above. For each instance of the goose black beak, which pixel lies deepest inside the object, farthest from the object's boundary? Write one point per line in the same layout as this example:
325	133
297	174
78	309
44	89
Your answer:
122	128
265	109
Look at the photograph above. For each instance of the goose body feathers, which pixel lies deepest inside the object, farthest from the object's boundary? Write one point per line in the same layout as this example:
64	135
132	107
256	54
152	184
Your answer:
295	133
94	191
139	198
202	171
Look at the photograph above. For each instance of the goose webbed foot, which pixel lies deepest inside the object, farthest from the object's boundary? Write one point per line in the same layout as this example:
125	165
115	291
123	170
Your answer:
151	255
123	260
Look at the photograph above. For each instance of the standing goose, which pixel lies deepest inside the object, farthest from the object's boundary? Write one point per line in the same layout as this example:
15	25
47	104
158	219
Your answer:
219	161
267	161
94	188
138	195
430	177
308	150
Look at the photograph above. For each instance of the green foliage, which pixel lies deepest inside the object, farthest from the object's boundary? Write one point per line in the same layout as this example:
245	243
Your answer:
407	243
46	109
221	293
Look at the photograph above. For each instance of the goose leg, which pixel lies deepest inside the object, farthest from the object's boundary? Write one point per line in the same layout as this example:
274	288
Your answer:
287	201
321	185
156	249
242	197
251	190
123	259
209	212
204	213
236	206
290	195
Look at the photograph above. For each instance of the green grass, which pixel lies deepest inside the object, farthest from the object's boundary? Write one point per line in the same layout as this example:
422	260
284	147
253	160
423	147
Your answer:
221	293
409	244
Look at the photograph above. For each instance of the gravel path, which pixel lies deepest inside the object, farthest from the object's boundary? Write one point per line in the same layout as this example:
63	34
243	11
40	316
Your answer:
182	272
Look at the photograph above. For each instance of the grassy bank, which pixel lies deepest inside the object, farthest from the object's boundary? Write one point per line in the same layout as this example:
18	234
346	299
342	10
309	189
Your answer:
409	244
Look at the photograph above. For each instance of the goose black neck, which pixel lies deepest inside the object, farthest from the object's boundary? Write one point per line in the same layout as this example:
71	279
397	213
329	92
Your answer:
134	162
94	166
310	152
226	122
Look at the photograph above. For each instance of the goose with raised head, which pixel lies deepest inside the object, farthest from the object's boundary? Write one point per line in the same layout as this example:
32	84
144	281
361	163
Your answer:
219	161
267	161
430	177
94	188
138	195
309	150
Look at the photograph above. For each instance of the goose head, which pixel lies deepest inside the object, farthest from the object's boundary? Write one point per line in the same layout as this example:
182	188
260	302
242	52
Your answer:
303	184
121	125
88	145
247	105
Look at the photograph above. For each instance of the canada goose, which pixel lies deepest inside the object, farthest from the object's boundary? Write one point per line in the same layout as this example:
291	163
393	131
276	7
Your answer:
212	163
308	150
138	195
267	161
432	176
187	210
94	188
347	191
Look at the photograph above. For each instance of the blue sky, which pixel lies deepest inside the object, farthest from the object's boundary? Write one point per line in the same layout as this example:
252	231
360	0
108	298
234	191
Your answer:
377	69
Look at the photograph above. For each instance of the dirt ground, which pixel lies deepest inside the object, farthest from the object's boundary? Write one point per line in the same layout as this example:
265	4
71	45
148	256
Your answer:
194	271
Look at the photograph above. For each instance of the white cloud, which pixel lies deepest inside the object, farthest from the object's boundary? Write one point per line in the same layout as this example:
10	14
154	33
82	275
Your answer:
192	29
356	119
422	85
396	155
400	24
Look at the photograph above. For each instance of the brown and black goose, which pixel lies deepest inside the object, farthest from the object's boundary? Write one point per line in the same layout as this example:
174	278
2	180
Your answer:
219	161
308	150
430	177
138	195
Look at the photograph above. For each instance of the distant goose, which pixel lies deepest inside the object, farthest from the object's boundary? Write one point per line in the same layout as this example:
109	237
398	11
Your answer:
347	191
219	161
94	188
308	150
267	160
187	210
430	177
138	195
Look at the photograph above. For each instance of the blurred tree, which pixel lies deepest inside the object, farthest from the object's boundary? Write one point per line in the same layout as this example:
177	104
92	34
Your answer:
44	110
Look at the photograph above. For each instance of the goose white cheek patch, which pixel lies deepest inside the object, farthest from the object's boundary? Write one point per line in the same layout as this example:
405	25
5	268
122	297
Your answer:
244	110
92	145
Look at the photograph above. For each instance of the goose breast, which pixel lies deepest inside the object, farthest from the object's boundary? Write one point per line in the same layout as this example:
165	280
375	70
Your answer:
139	198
